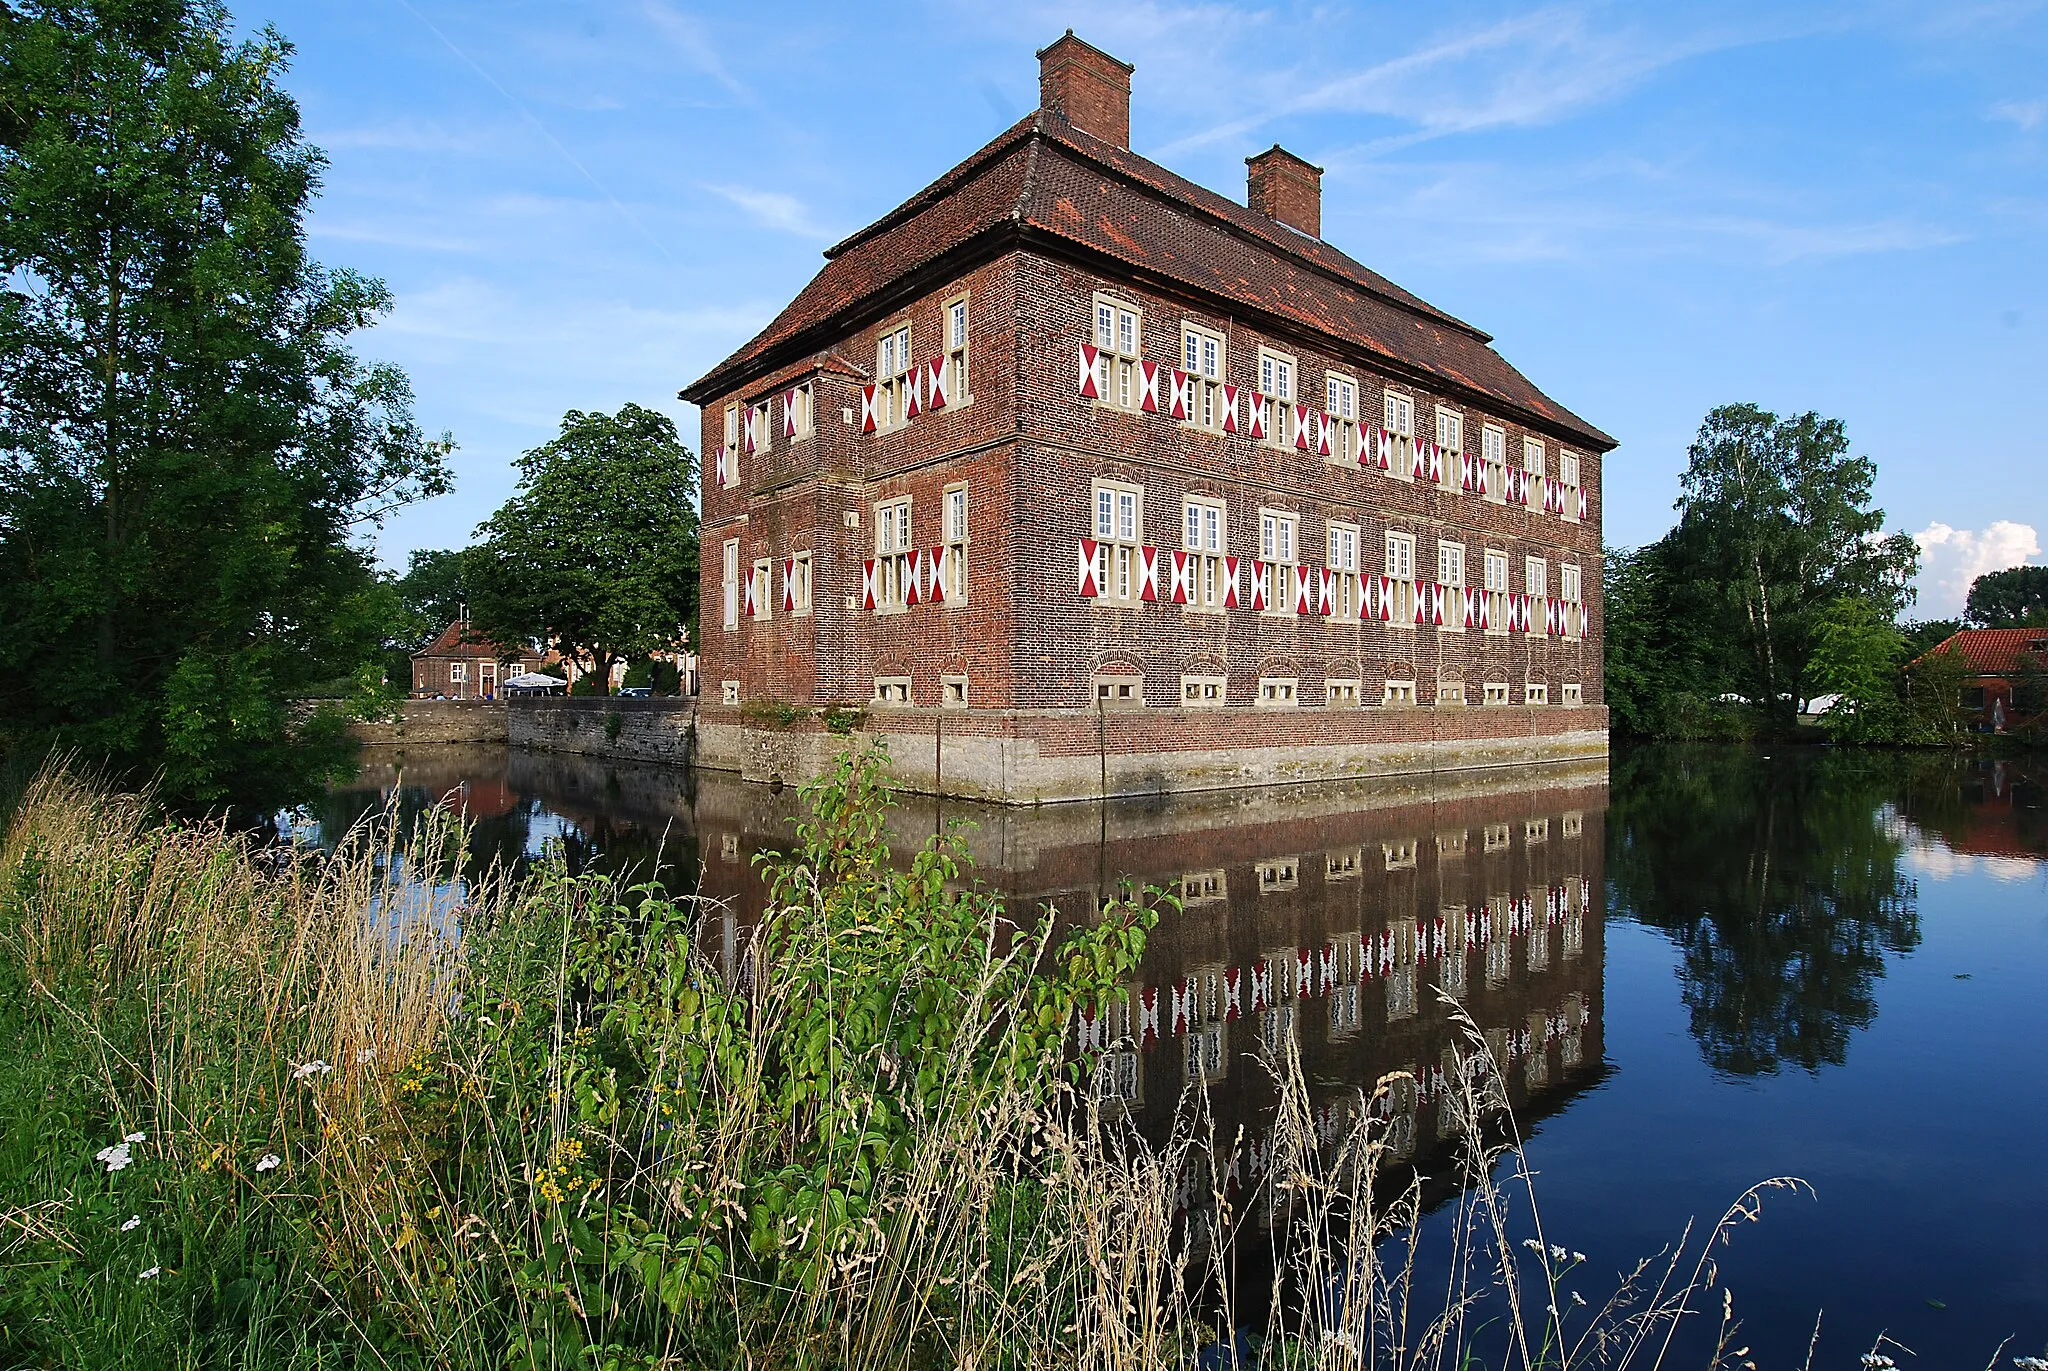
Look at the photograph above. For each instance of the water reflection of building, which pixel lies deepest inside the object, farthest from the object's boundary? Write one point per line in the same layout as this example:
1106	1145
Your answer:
1330	917
1994	809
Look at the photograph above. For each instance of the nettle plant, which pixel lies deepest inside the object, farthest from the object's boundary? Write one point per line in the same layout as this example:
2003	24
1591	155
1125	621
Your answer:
756	1128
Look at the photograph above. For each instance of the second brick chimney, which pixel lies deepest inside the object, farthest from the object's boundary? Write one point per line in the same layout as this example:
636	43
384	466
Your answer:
1281	186
1088	86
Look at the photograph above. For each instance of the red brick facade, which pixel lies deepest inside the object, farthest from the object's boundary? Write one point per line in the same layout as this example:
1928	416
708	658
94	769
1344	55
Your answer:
1033	232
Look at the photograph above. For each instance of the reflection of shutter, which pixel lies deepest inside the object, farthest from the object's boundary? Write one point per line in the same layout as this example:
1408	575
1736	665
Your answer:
1233	994
1089	588
1255	416
1089	356
1230	409
1304	985
867	584
1148	573
1148	389
1180	993
867	409
1230	583
1148	1017
1258	585
938	571
935	383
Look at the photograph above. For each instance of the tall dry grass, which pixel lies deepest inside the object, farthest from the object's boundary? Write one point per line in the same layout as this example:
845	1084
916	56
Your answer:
393	1115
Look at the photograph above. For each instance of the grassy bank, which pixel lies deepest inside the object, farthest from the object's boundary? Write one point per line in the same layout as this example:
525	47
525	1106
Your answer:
269	1111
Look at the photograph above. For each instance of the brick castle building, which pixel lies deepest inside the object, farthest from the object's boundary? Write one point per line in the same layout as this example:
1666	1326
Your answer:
1073	477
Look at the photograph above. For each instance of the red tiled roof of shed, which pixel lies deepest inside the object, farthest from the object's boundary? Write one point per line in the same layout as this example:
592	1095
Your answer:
1047	180
1991	651
457	640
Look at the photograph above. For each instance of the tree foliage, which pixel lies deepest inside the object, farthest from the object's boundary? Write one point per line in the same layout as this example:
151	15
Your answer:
188	449
596	552
2014	598
1856	656
1776	531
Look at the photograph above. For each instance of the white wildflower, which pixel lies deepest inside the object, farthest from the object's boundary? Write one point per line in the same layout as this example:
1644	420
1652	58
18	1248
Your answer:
1557	1254
2031	1363
269	1161
316	1067
1578	1299
1878	1361
134	1222
135	1137
116	1157
1532	1245
1578	1258
151	1274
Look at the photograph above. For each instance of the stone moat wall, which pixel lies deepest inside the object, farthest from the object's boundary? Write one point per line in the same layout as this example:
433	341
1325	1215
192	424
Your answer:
438	721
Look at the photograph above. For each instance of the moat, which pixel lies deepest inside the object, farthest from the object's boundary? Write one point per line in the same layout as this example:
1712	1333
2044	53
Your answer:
1696	968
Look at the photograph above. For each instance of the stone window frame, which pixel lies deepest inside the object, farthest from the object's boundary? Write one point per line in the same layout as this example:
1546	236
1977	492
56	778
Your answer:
892	692
953	692
1404	586
1338	385
763	584
1454	617
893	568
1340	692
1279	874
1397	694
1117	554
729	567
1126	689
1450	693
1493	457
1570	471
1349	596
1496	595
1535	464
1278	692
1281	575
1536	692
956	534
802	587
1401	854
1343	864
1211	886
1397	417
1117	377
1205	410
1279	380
806	411
1210	573
895	349
956	326
729	692
1202	688
1571	694
732	446
1451	421
1536	585
1494	693
762	411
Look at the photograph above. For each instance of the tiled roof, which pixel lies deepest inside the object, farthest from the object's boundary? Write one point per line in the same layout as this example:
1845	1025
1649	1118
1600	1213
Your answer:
1048	181
456	638
1992	651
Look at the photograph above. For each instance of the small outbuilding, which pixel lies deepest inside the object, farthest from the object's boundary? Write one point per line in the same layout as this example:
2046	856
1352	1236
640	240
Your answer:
462	665
1998	658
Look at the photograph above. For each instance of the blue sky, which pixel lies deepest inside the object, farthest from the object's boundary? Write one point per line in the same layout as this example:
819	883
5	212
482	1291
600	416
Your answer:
1654	208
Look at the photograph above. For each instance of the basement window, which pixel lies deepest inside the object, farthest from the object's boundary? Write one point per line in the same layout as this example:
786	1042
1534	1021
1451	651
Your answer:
1119	691
892	690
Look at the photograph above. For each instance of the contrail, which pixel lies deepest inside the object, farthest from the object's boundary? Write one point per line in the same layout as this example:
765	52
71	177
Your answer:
528	115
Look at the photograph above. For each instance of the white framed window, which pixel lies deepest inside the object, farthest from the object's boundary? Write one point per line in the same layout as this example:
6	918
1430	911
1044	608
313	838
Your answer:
1450	436
796	575
953	692
1203	692
729	465
892	690
458	673
894	554
1568	478
1400	573
1493	458
764	582
1532	463
1450	693
759	415
1277	692
892	376
1397	416
1496	694
729	692
1340	402
1204	528
799	412
1450	574
1535	693
957	391
1536	585
953	515
1202	358
1118	690
1340	694
1568	590
1276	383
1398	693
1496	591
1119	533
731	583
1280	552
1347	591
1119	334
1573	694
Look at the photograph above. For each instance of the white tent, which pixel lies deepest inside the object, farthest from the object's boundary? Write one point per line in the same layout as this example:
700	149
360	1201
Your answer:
532	683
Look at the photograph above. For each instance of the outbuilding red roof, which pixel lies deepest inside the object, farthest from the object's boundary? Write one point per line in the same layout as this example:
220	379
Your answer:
1044	181
1992	651
457	640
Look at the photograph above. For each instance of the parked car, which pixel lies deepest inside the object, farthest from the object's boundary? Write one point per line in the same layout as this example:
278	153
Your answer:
635	692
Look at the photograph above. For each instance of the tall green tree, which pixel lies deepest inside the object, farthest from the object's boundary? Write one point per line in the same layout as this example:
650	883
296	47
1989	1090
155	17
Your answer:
596	553
1776	524
2014	598
189	452
1857	654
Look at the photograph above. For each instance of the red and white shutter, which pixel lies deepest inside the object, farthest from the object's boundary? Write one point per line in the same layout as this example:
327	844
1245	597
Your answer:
1326	591
1468	472
935	384
789	585
1148	573
1421	602
1230	409
789	412
747	596
867	409
747	430
1439	597
1258	585
1301	438
938	567
1177	406
1385	445
1325	428
1582	504
1230	583
1418	463
1255	417
867	584
1089	356
722	460
913	584
1088	585
913	393
1302	593
1148	389
1370	592
1183	578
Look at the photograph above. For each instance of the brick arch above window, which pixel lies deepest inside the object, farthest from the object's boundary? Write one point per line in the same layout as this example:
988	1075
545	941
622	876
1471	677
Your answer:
1116	664
895	666
1279	666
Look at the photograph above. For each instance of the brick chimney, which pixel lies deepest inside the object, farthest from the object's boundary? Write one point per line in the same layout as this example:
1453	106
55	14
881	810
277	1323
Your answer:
1088	86
1281	186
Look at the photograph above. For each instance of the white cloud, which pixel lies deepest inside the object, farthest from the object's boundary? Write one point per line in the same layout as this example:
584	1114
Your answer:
773	209
1951	558
2026	114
